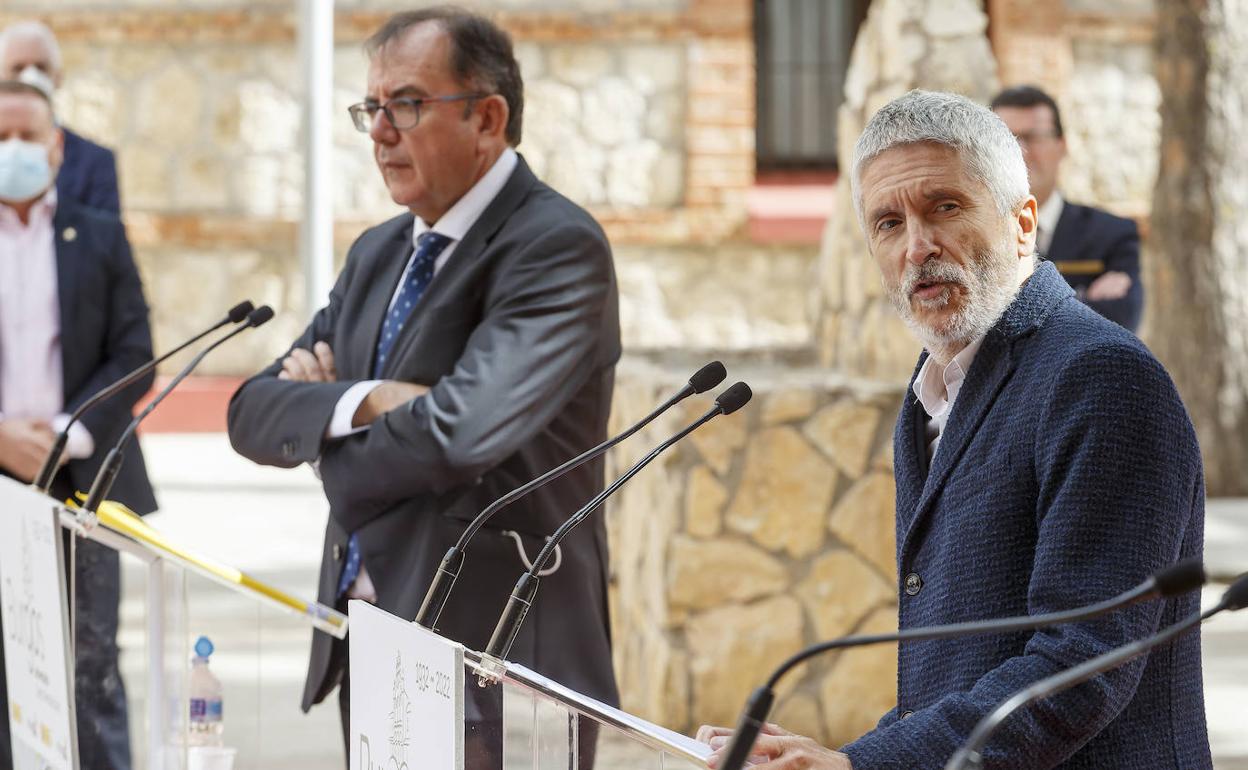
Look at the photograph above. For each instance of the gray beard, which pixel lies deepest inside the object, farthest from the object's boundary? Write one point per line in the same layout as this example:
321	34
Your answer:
990	285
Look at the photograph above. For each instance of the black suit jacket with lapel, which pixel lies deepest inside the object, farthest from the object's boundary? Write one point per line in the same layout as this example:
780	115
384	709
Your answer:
1087	243
104	335
517	337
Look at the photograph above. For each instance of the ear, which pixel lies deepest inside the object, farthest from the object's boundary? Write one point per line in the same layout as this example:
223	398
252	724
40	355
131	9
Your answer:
1025	227
56	150
493	113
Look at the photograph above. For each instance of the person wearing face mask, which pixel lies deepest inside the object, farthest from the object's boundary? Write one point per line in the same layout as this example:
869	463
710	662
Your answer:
29	53
72	320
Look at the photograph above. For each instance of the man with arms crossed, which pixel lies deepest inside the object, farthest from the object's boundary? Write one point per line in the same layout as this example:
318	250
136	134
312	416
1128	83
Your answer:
1043	461
468	346
1097	252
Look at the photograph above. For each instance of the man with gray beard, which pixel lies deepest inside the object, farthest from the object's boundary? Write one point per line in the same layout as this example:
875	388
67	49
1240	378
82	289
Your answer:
1043	462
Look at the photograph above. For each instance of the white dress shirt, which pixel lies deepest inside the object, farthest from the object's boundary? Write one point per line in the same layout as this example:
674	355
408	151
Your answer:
31	373
454	224
1047	217
937	388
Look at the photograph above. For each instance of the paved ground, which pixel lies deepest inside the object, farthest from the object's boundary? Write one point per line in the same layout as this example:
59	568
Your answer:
269	523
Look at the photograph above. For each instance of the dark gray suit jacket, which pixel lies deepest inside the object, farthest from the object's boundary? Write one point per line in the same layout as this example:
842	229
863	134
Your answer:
517	336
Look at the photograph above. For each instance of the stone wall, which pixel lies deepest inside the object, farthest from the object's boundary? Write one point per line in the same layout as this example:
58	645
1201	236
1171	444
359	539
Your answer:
641	110
904	44
766	530
1097	59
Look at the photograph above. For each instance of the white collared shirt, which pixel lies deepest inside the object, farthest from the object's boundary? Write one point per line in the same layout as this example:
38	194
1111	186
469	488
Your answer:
937	388
454	224
1047	217
31	364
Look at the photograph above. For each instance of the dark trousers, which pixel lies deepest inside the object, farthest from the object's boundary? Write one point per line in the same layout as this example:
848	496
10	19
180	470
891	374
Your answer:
100	697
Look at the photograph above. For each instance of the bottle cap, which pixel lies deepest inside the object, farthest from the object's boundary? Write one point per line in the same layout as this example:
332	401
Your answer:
203	647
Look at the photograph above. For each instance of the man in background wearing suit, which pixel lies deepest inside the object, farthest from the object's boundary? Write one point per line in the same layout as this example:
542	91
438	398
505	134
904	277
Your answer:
467	347
1043	461
72	320
1097	252
29	52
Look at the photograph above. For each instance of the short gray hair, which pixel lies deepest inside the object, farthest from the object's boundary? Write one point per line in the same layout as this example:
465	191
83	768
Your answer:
989	151
35	29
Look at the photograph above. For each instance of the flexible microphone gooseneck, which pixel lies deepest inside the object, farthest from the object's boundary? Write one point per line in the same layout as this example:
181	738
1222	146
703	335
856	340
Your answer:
112	462
523	594
1174	580
444	579
43	481
971	754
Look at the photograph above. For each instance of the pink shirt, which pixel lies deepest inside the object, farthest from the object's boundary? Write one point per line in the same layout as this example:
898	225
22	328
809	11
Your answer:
30	321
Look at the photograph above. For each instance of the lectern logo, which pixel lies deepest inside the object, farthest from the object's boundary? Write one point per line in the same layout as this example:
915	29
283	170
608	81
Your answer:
400	717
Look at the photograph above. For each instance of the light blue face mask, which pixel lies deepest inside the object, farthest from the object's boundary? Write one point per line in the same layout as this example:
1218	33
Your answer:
24	170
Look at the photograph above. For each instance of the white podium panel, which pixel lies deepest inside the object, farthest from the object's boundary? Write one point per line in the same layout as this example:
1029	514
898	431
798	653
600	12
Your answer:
36	631
407	694
504	716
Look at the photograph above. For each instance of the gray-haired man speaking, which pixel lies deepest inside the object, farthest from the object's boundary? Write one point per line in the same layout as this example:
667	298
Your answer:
1043	461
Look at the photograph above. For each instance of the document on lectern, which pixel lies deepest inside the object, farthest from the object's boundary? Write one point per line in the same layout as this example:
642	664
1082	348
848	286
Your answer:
36	631
407	694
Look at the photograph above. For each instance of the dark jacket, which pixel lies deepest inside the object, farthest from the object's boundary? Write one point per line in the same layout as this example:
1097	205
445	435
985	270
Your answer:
1068	472
88	174
517	336
104	335
1087	243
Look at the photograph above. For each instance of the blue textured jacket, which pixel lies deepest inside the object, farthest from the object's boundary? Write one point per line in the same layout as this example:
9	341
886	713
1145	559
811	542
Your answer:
1068	472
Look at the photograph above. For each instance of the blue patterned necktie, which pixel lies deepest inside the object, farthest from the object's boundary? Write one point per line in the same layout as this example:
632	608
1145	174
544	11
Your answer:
419	273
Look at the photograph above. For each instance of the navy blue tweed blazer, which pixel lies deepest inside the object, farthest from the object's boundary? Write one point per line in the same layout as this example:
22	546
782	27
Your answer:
1068	472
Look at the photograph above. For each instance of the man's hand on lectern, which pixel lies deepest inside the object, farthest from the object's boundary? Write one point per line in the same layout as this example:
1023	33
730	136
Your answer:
775	749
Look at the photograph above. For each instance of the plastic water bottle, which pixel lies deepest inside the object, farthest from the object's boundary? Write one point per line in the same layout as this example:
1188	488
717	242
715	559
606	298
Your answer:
206	725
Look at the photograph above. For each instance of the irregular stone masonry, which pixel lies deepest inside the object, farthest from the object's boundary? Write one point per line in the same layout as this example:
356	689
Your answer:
766	531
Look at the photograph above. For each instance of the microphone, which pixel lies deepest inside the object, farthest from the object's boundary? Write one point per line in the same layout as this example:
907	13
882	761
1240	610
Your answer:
523	594
44	480
970	755
112	462
444	579
1174	580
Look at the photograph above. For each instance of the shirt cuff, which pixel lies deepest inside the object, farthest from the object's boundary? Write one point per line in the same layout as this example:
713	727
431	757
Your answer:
80	444
344	410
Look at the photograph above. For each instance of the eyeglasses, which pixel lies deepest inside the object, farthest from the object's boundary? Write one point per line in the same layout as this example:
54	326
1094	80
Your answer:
403	113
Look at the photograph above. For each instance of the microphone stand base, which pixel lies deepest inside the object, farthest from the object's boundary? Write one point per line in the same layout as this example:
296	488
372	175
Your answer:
491	671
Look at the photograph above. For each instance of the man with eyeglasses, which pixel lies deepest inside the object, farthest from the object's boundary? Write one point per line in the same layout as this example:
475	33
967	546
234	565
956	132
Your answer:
467	347
1097	252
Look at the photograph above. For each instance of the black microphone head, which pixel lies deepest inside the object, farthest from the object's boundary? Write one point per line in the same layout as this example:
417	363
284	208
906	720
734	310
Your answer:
708	377
260	316
1236	597
240	311
1187	575
734	398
